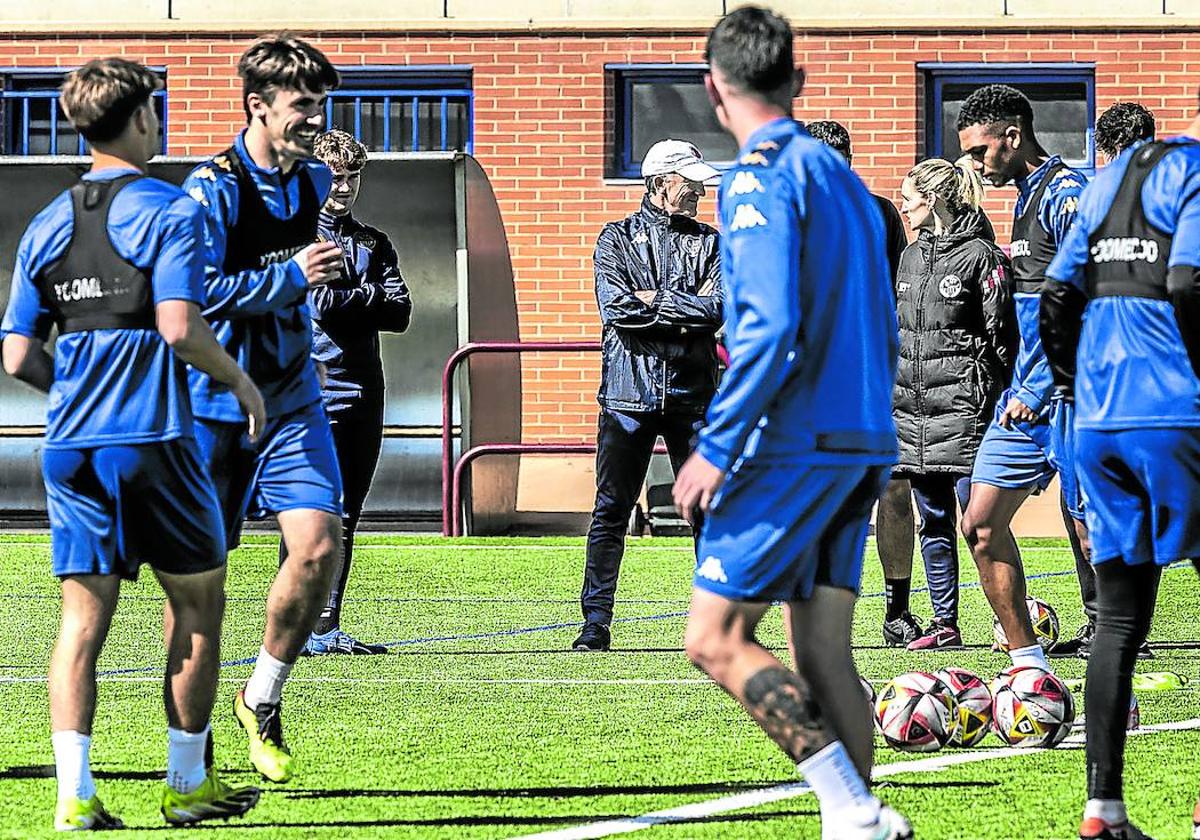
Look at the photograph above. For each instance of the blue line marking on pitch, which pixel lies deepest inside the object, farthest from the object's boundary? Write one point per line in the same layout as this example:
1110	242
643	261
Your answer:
524	631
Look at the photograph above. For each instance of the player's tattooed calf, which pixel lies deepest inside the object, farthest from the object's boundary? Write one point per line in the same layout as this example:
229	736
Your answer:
784	707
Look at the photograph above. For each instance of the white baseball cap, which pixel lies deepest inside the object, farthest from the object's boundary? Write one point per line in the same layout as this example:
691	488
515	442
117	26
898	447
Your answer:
667	156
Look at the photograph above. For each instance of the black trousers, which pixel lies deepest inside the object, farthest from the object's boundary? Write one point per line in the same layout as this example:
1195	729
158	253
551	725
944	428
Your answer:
624	443
357	426
937	495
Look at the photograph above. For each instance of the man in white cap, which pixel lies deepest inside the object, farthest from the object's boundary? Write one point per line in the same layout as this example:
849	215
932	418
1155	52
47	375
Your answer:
658	286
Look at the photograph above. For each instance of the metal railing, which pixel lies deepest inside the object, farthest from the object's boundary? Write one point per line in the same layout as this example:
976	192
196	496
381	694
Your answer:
441	100
452	471
18	108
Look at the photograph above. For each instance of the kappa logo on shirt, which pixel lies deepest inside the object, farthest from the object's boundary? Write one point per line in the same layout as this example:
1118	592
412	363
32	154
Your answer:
745	183
768	146
640	238
222	162
205	173
711	569
753	159
197	194
747	216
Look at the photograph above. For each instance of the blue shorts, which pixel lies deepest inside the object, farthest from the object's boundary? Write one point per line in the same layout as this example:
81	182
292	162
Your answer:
775	531
113	508
1062	455
293	466
1142	488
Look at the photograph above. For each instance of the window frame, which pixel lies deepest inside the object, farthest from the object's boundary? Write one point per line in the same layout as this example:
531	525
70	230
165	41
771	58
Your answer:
21	99
457	79
938	74
624	76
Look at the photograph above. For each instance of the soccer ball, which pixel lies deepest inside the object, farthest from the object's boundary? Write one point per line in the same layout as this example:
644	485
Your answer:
1044	621
868	689
1031	707
916	712
974	705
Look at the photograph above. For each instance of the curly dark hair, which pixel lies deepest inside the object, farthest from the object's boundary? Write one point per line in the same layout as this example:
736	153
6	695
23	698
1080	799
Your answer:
1122	125
832	134
338	149
996	103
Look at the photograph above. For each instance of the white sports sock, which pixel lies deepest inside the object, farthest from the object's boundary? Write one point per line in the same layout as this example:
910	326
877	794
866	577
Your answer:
841	791
266	683
1112	811
185	759
1032	655
72	763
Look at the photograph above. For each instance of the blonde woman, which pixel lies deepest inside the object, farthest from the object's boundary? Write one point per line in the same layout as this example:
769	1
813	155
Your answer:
957	341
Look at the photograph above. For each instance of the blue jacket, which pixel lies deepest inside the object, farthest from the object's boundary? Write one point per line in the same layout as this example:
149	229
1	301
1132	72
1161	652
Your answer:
661	355
811	327
348	314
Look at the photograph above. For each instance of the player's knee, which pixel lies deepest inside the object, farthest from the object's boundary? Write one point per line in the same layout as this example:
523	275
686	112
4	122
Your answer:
977	531
709	647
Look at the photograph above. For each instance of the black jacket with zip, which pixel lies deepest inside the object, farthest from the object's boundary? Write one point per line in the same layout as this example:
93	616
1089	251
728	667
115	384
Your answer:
958	339
661	355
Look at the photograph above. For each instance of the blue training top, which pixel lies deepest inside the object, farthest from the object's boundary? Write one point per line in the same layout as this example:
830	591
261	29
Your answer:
115	386
237	304
1132	367
1032	383
811	318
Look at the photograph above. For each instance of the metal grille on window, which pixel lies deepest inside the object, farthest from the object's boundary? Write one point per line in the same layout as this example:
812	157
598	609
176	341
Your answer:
407	109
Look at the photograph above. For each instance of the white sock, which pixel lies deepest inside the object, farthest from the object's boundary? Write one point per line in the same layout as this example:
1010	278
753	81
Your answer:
1032	655
72	764
266	683
185	759
1112	811
839	788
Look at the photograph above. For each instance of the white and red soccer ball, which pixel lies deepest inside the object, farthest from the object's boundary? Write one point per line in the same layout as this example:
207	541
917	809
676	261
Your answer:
916	712
1031	707
974	705
1044	621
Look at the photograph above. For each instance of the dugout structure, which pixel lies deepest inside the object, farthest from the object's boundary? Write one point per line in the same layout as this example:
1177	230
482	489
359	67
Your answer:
440	211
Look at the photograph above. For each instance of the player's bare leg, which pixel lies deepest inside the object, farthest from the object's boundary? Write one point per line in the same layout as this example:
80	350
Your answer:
895	538
720	640
313	540
821	627
986	527
88	602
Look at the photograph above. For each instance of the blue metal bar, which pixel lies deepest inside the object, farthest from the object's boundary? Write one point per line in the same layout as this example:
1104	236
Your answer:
415	106
387	123
53	128
348	93
329	112
25	126
444	101
358	118
471	124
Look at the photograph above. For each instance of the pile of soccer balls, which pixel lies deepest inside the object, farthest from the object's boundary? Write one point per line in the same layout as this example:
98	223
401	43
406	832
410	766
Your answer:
1025	706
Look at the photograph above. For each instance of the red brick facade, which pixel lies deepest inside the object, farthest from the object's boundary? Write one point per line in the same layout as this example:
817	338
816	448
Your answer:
540	133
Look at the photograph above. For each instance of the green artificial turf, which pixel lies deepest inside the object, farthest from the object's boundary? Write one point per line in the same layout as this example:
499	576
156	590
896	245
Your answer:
481	724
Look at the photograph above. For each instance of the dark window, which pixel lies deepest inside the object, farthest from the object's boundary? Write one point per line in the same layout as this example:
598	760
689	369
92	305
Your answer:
404	109
33	119
1063	98
654	102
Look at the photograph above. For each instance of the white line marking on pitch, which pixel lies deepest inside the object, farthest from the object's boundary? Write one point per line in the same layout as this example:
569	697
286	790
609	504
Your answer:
753	799
157	678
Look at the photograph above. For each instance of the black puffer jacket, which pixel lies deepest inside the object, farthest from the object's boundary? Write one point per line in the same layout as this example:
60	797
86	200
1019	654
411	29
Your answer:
658	355
958	338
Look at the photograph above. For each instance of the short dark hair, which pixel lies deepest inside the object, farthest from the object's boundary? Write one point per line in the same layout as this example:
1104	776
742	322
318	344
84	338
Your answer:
338	149
283	61
101	96
993	104
832	134
1122	125
752	46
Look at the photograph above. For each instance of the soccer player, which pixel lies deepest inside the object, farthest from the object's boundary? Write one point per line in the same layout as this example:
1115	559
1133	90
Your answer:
1029	438
1120	126
348	315
261	198
115	263
799	437
1132	262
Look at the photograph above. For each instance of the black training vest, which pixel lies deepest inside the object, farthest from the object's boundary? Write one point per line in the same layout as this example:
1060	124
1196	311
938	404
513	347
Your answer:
1032	249
259	238
91	286
1127	256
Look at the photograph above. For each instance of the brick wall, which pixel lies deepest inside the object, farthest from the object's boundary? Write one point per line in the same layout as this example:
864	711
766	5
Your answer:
540	134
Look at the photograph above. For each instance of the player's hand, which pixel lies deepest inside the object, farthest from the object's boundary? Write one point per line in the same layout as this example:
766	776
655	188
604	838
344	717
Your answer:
251	402
1017	411
321	263
646	296
698	481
